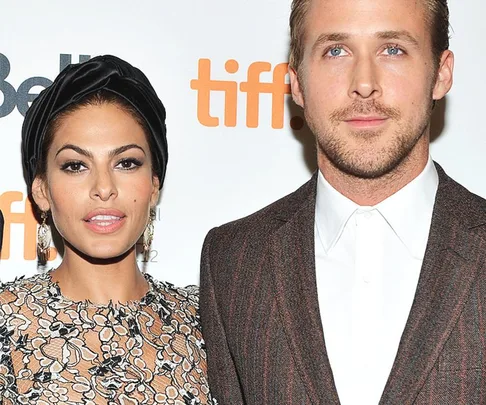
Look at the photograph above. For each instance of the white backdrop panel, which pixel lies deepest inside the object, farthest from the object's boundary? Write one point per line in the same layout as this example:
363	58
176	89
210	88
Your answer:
215	173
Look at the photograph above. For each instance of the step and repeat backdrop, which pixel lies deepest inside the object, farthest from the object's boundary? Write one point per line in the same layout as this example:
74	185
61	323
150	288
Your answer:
236	141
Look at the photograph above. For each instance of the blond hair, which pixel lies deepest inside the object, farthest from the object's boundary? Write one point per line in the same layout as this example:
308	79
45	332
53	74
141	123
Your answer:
437	17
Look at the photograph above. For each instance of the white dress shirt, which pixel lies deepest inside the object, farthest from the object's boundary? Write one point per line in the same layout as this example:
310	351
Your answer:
368	262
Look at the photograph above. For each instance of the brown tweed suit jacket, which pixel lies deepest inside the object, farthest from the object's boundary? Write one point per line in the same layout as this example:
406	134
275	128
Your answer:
260	312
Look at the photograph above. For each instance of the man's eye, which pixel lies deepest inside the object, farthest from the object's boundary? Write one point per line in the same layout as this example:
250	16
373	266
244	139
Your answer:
336	51
393	50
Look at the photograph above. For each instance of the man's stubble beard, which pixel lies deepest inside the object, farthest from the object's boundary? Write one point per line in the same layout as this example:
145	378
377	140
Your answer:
362	162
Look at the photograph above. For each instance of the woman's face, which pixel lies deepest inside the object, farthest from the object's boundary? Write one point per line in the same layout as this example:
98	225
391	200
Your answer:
99	182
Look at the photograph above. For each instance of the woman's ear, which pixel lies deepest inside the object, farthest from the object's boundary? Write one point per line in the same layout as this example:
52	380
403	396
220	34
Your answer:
39	194
154	198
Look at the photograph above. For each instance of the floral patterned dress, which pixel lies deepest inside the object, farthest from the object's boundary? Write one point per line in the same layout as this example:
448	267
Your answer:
56	351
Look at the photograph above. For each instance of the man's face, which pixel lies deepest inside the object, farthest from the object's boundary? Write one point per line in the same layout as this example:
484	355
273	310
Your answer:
367	82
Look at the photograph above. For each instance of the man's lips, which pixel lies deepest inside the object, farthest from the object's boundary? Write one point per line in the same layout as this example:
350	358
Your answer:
104	221
366	121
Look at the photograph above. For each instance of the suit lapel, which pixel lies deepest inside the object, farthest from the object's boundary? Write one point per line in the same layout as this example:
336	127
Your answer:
292	263
455	253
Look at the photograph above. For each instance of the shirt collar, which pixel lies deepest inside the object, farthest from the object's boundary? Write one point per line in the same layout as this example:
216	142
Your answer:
333	211
408	211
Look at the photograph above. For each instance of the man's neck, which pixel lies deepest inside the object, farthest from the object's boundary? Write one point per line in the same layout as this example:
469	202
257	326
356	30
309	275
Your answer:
370	192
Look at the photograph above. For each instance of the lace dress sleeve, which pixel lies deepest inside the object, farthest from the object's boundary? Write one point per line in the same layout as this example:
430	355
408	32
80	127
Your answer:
7	375
192	308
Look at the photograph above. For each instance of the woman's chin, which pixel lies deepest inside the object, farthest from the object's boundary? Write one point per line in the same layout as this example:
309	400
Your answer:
103	253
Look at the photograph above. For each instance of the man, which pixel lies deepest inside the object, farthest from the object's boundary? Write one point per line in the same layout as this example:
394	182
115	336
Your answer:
366	285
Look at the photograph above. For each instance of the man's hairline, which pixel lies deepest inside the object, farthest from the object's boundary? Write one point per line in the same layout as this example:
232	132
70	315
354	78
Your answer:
298	67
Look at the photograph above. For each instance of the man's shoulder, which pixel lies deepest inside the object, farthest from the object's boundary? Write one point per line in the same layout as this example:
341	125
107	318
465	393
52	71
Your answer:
456	198
273	215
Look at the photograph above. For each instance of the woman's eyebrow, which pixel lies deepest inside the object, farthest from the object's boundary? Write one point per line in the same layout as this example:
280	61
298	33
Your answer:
124	148
77	149
88	154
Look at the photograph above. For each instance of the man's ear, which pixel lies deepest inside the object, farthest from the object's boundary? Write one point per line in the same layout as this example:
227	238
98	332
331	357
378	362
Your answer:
445	75
295	87
39	194
154	198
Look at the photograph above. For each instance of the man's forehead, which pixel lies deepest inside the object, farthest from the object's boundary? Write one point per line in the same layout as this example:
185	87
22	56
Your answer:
366	17
347	9
361	3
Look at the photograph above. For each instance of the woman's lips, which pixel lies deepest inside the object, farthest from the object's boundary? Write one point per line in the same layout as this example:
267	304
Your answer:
105	221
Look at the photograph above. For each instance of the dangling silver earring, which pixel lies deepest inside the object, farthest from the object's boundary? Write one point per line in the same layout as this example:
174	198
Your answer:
148	236
43	240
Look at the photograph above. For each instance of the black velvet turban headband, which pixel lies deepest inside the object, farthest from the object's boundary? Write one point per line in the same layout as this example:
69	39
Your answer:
77	81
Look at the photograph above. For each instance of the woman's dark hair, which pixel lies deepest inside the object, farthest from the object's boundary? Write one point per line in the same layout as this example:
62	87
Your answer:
97	98
104	79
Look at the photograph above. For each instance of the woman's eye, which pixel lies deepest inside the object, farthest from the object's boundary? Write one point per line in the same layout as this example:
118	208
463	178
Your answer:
73	167
129	164
393	50
337	51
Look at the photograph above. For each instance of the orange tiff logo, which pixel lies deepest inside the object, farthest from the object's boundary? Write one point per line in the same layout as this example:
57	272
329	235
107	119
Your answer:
26	219
253	87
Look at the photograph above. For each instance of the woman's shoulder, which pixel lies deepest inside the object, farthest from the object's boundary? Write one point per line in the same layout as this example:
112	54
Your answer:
188	295
177	307
24	295
177	303
37	286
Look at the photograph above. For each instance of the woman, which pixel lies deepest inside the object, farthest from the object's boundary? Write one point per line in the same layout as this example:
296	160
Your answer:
96	330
